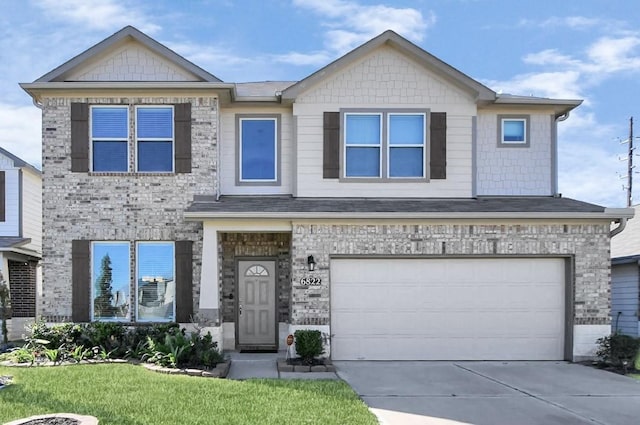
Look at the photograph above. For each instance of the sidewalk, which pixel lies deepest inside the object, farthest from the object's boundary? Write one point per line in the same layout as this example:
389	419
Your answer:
265	365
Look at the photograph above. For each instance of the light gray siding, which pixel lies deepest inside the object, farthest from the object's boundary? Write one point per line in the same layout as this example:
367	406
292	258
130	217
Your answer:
624	298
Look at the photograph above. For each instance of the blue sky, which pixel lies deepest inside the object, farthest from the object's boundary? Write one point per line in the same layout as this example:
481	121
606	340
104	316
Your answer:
586	49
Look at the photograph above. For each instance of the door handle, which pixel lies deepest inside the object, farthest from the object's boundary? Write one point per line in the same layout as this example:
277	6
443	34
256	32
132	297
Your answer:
239	308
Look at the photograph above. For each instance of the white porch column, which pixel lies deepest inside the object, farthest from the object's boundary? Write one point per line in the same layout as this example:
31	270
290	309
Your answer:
209	284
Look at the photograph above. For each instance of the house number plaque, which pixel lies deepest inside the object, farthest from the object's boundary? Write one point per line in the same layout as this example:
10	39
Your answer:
310	281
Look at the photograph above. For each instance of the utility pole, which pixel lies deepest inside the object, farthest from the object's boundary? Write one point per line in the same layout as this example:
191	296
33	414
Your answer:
630	166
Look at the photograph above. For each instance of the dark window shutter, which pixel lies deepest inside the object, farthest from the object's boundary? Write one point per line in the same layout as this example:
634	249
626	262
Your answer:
438	140
184	281
331	148
3	191
81	281
182	128
79	137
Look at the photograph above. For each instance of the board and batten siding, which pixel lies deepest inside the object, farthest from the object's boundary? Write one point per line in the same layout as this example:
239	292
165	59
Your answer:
383	79
624	298
517	170
32	209
228	157
11	224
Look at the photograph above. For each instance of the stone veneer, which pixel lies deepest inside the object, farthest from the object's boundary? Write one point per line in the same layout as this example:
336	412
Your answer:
587	244
117	206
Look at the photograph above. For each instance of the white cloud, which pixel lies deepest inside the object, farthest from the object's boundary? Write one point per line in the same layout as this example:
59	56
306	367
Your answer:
350	24
98	14
572	22
21	132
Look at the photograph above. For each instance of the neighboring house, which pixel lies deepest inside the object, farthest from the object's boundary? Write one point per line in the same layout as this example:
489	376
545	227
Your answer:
20	237
402	208
625	278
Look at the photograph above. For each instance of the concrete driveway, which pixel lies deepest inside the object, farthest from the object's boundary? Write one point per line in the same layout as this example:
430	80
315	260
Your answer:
493	393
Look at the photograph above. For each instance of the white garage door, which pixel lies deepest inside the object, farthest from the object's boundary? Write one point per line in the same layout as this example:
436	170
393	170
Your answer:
447	309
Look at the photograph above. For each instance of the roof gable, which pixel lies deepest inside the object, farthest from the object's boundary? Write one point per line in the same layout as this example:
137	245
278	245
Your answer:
7	157
128	55
420	56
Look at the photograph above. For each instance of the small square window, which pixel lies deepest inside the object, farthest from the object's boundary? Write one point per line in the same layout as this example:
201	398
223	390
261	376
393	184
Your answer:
154	135
513	131
109	139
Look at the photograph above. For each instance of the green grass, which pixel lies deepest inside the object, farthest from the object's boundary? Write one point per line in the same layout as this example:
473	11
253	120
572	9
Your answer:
126	394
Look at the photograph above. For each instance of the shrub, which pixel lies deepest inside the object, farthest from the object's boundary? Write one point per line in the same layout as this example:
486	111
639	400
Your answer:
618	350
308	344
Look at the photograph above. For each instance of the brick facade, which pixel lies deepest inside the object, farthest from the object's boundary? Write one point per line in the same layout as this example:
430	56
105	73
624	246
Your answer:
117	206
22	278
586	244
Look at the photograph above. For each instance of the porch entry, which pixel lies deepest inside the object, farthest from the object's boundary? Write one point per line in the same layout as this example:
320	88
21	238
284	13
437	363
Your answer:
256	308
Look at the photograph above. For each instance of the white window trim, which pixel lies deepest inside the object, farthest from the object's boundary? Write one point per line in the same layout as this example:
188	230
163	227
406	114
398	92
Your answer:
173	137
173	260
525	119
423	145
275	120
380	145
103	139
128	318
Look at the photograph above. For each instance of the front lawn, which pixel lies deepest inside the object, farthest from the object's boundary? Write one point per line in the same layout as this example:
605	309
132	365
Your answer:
126	394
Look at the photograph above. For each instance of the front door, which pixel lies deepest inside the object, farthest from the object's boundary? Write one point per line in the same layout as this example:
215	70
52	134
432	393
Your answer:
256	304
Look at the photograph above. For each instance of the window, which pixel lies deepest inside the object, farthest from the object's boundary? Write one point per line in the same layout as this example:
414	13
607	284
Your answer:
110	277
155	282
362	140
109	138
513	130
258	149
154	136
385	144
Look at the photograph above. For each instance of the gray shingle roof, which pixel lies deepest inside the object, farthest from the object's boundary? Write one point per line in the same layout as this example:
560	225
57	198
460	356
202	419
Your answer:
287	204
10	241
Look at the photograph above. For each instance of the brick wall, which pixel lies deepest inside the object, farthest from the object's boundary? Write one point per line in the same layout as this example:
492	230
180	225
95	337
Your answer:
587	244
124	207
22	286
275	245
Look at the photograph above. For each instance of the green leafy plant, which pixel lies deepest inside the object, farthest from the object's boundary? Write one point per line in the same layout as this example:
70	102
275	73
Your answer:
618	350
54	355
80	353
308	345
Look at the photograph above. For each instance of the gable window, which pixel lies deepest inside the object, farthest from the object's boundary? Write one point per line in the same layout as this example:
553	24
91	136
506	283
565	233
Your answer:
407	141
387	145
109	138
110	277
362	141
154	136
513	130
155	282
258	149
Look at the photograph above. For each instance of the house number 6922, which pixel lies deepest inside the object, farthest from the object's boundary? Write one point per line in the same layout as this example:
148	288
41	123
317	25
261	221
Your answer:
310	281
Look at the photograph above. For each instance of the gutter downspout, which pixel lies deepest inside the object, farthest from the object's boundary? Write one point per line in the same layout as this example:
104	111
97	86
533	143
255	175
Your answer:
216	186
622	224
563	117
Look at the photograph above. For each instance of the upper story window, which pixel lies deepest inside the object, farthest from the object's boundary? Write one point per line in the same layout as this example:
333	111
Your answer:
112	138
388	145
258	149
154	136
109	138
513	130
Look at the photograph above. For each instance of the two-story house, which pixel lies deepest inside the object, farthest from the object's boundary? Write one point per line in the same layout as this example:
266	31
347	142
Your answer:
20	238
389	200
